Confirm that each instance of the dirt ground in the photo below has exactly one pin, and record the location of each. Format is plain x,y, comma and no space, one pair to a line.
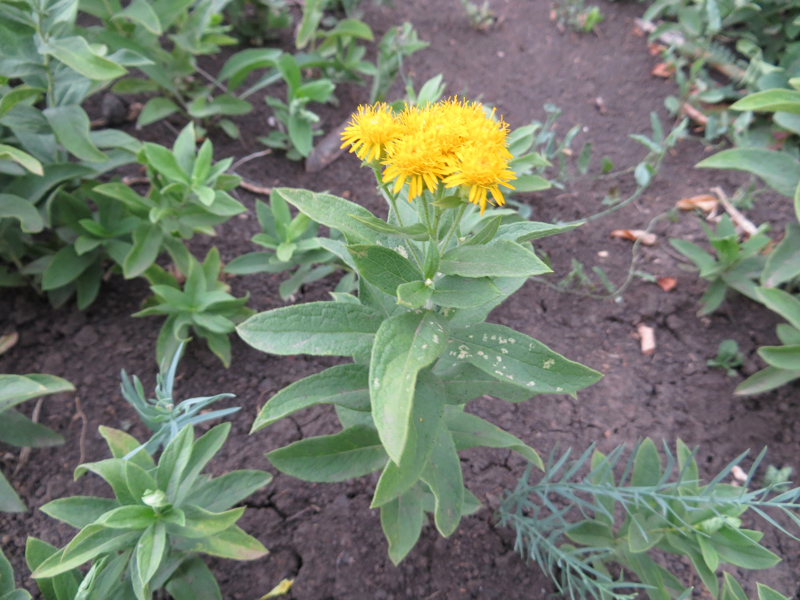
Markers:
325,536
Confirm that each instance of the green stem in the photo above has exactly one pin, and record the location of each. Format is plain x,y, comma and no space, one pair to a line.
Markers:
453,227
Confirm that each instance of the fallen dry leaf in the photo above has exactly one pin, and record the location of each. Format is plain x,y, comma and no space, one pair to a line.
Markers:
694,114
646,238
663,70
647,339
705,202
655,49
7,342
667,283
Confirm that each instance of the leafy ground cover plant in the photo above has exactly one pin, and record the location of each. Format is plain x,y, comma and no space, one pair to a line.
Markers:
204,306
293,244
570,525
728,357
428,277
149,535
737,265
18,430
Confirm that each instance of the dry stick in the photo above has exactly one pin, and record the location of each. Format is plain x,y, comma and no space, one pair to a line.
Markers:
256,189
737,217
26,451
83,427
248,158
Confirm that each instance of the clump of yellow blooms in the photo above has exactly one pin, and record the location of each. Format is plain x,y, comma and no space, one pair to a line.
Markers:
451,142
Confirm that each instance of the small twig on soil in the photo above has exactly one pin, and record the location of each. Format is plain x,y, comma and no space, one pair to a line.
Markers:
742,222
647,338
82,416
297,515
132,180
248,158
256,189
694,114
26,452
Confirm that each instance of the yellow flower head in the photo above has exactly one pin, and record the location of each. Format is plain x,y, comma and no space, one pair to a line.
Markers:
482,168
371,129
414,157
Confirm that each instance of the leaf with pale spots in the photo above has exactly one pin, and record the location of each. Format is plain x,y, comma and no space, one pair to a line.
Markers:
384,268
516,358
501,258
404,345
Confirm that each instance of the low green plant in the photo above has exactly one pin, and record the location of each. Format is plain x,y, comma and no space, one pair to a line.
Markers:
728,357
570,524
149,536
428,277
204,306
257,21
295,123
18,430
734,266
480,17
292,244
162,415
395,46
188,194
576,15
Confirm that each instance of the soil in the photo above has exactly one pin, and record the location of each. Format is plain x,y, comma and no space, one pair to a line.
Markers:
325,536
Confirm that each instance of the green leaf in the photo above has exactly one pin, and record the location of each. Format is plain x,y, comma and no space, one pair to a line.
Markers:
344,385
414,294
778,169
92,541
76,53
384,268
129,517
765,380
783,263
16,95
354,452
149,551
141,13
14,207
417,231
231,543
403,345
65,267
770,101
443,476
502,258
221,493
193,580
526,184
23,159
320,328
71,126
782,303
62,586
401,521
173,462
591,533
15,389
515,358
165,162
767,593
9,500
736,548
79,511
18,430
469,431
782,357
710,555
463,383
731,589
331,211
201,523
646,465
122,444
427,410
641,536
147,239
156,109
464,292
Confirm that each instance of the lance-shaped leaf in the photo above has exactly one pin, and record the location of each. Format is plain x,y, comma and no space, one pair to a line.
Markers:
354,452
92,541
778,169
443,475
526,231
427,411
519,359
343,385
79,511
321,328
193,580
502,258
464,382
417,231
15,389
782,357
14,207
71,126
469,431
331,211
384,268
464,292
402,520
232,543
404,345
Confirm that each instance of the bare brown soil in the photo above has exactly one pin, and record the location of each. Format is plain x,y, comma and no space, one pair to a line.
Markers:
326,536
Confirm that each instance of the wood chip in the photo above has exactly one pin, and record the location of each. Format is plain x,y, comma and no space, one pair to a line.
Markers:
694,114
705,202
667,283
738,473
742,223
647,339
663,70
646,238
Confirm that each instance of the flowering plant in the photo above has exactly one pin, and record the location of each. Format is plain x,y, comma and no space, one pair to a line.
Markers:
428,278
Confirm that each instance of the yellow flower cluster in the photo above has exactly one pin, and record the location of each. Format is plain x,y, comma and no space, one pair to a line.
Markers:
452,142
